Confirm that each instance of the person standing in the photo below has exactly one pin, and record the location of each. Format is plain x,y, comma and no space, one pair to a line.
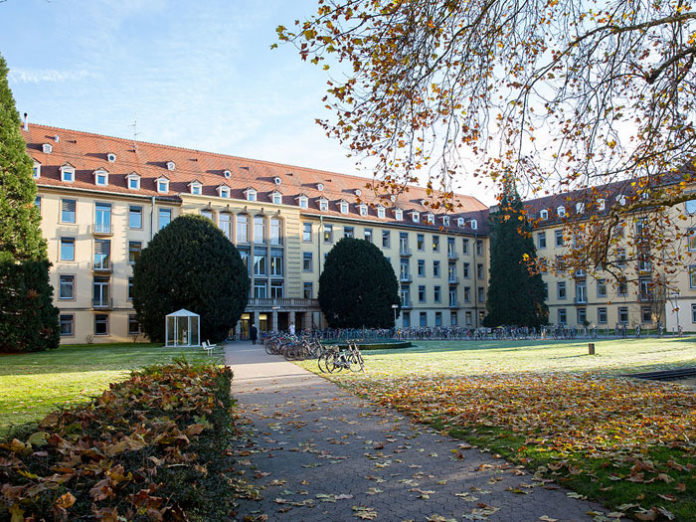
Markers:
291,329
253,333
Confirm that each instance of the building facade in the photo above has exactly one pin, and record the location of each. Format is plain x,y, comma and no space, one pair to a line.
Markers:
102,199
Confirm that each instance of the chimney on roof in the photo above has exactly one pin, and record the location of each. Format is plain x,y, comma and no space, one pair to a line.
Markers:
26,122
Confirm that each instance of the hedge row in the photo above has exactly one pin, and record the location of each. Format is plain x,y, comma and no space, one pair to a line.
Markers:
155,447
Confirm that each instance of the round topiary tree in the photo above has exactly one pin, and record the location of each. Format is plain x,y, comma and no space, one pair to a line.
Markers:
190,264
358,286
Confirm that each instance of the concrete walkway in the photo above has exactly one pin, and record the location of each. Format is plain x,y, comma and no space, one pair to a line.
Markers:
322,454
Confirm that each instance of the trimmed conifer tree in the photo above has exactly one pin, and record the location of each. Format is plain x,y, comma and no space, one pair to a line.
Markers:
516,296
190,264
358,286
28,319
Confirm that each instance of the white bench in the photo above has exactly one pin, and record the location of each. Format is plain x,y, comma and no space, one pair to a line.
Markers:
209,347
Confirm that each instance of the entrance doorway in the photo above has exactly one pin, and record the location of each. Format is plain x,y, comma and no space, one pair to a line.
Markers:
244,323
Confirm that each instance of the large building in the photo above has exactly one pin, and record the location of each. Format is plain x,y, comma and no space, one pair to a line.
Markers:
103,198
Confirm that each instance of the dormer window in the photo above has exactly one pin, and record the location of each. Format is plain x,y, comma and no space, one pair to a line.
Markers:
133,181
162,185
47,148
277,197
323,204
460,222
580,208
101,178
111,157
601,204
357,192
392,198
36,173
430,218
320,187
67,173
398,214
544,214
277,180
302,201
196,188
415,216
171,165
362,208
474,224
223,191
343,207
227,174
250,194
446,221
561,211
380,212
621,199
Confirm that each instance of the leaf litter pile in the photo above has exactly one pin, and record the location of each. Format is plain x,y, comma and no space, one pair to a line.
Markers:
155,447
629,444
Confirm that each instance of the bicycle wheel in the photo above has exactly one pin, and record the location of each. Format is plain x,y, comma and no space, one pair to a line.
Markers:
322,360
334,363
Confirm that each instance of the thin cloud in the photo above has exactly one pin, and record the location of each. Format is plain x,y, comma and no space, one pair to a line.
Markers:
47,75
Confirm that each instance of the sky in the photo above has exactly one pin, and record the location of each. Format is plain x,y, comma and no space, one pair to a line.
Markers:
200,75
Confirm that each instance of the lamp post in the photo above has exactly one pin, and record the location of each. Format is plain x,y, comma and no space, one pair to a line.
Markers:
395,307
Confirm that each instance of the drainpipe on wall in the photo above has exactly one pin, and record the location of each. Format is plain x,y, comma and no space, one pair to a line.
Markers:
320,238
475,289
152,218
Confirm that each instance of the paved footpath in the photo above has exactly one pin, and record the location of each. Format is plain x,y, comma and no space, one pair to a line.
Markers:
322,454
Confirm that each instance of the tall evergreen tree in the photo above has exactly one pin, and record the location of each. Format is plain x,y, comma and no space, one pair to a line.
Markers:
28,319
515,296
358,286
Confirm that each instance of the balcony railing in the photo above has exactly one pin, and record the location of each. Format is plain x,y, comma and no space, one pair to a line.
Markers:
101,229
102,265
294,302
405,278
102,303
406,305
404,251
581,300
452,256
454,304
453,280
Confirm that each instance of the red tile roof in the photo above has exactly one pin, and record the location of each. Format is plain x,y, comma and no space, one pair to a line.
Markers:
88,152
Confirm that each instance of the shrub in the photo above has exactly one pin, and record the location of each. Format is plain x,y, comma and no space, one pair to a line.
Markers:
151,448
190,264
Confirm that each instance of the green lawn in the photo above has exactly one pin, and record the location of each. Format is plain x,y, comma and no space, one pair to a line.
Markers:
32,385
566,415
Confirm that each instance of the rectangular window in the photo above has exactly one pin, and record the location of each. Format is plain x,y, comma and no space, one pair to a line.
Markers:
421,294
102,254
541,240
406,319
306,232
580,292
67,287
468,318
259,262
423,319
602,315
559,237
404,270
102,218
692,276
368,235
452,273
260,289
646,314
101,324
438,318
466,270
307,290
100,292
601,288
275,231
450,247
453,318
386,238
328,233
130,288
67,210
561,289
622,289
405,296
467,294
436,243
307,261
403,243
623,315
691,236
465,246
582,316
277,289
420,242
349,232
479,247
479,271
67,249
244,254
164,217
436,269
259,230
67,324
225,224
242,228
562,316
135,217
421,268
453,296
437,294
133,325
134,249
37,203
276,262
481,295
206,213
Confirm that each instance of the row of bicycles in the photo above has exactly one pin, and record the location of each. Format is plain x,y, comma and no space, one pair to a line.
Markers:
330,358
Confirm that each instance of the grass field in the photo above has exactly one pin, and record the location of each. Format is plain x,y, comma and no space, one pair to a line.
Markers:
566,415
32,385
